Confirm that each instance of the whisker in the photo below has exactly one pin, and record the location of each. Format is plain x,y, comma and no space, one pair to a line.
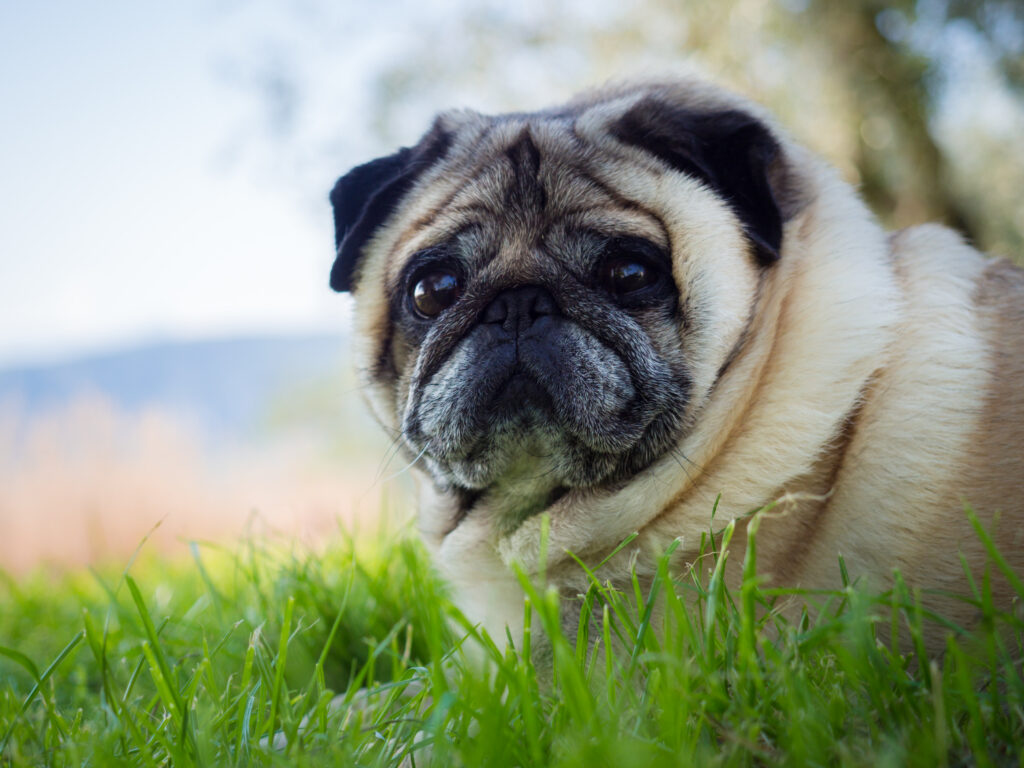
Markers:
406,468
676,454
389,454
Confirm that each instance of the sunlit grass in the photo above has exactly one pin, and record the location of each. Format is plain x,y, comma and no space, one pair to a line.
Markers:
239,657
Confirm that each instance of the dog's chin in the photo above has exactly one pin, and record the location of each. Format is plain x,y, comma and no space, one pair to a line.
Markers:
528,450
521,447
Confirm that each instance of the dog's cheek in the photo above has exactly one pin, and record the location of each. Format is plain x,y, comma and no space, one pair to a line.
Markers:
403,354
667,334
445,412
403,359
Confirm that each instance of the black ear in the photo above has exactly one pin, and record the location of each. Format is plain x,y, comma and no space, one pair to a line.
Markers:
731,151
365,196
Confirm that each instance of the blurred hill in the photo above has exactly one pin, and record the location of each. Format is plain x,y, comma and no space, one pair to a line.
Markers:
226,388
206,439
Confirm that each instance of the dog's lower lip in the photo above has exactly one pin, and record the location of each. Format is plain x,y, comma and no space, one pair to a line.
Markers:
520,391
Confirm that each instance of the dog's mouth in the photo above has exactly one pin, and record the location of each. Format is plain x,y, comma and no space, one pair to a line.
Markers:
522,392
528,388
558,409
519,419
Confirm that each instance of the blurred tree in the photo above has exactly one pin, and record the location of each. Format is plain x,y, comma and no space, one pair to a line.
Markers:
918,102
890,56
900,165
1001,22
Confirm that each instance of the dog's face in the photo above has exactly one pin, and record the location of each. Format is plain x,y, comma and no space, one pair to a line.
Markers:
569,359
548,299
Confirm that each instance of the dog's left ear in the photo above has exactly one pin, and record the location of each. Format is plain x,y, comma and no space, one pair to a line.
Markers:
732,152
367,195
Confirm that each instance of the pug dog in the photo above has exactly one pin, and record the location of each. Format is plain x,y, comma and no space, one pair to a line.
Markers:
607,317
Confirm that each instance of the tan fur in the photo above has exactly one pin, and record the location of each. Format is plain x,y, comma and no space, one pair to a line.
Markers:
877,383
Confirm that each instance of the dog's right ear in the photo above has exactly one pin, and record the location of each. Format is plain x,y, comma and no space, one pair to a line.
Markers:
365,196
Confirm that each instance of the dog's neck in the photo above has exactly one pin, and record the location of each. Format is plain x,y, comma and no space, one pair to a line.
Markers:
524,490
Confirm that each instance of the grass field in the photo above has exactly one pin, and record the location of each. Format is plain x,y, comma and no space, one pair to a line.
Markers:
234,658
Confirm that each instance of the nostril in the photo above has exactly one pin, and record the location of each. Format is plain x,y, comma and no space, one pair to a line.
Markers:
519,307
543,304
496,311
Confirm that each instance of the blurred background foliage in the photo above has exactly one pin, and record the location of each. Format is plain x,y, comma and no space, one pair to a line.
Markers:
920,104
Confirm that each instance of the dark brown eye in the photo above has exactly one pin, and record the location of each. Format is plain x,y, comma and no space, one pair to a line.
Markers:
622,275
435,292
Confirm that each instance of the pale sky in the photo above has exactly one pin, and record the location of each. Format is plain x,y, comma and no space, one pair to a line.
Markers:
123,214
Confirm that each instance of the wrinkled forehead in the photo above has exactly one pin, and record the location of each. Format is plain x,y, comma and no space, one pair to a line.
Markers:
517,186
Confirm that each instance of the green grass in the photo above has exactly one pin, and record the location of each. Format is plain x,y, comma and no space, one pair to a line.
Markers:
211,661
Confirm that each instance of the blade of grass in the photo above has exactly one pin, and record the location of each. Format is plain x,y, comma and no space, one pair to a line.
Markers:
279,663
41,680
161,668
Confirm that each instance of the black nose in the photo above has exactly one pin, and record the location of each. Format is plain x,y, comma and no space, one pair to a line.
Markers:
516,309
